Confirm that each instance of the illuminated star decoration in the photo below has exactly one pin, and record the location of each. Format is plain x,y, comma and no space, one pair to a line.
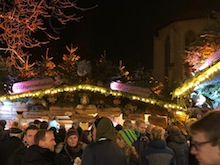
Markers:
52,99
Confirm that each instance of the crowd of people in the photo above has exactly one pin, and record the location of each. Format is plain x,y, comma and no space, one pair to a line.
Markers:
128,144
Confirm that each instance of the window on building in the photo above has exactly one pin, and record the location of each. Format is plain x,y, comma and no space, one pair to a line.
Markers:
190,37
167,56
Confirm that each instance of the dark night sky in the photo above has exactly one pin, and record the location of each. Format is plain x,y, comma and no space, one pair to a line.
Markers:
123,28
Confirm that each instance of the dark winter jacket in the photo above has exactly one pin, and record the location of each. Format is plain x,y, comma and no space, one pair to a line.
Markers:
157,153
141,143
17,156
68,154
36,155
177,142
8,147
104,151
133,160
4,135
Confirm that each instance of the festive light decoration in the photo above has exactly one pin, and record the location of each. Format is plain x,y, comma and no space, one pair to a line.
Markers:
86,87
197,80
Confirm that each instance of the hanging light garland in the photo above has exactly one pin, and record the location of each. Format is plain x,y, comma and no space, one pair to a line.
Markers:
197,80
86,87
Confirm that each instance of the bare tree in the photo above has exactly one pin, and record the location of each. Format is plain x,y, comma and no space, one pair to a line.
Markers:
20,20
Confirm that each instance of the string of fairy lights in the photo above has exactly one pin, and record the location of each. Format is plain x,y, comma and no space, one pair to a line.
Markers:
91,88
197,80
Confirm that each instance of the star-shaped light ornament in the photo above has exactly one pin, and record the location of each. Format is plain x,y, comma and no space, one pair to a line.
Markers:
116,101
52,99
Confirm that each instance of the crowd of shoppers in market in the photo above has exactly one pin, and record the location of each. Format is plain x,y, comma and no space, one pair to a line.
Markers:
133,143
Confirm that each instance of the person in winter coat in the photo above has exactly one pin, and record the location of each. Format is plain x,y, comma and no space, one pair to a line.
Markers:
83,136
4,134
9,146
42,153
143,140
157,152
104,150
178,143
28,140
72,150
125,138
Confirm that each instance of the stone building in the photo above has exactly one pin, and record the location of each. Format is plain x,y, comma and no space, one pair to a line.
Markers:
170,42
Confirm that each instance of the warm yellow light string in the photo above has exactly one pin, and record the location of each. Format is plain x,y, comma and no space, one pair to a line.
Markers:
196,81
91,88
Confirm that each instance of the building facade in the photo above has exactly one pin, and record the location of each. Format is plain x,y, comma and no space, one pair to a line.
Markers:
169,47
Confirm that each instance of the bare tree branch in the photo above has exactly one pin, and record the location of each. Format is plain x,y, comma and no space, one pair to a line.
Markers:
21,19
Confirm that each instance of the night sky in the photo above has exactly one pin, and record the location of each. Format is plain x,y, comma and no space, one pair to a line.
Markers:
122,28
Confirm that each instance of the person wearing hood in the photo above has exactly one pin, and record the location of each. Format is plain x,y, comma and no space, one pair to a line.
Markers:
178,143
104,149
157,152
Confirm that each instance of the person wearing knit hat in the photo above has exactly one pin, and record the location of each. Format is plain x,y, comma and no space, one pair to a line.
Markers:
125,138
72,149
104,150
71,132
129,136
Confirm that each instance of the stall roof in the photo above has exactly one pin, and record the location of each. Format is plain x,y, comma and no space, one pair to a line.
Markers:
203,77
91,88
206,81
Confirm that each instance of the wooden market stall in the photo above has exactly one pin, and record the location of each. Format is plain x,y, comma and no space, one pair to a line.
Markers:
84,102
